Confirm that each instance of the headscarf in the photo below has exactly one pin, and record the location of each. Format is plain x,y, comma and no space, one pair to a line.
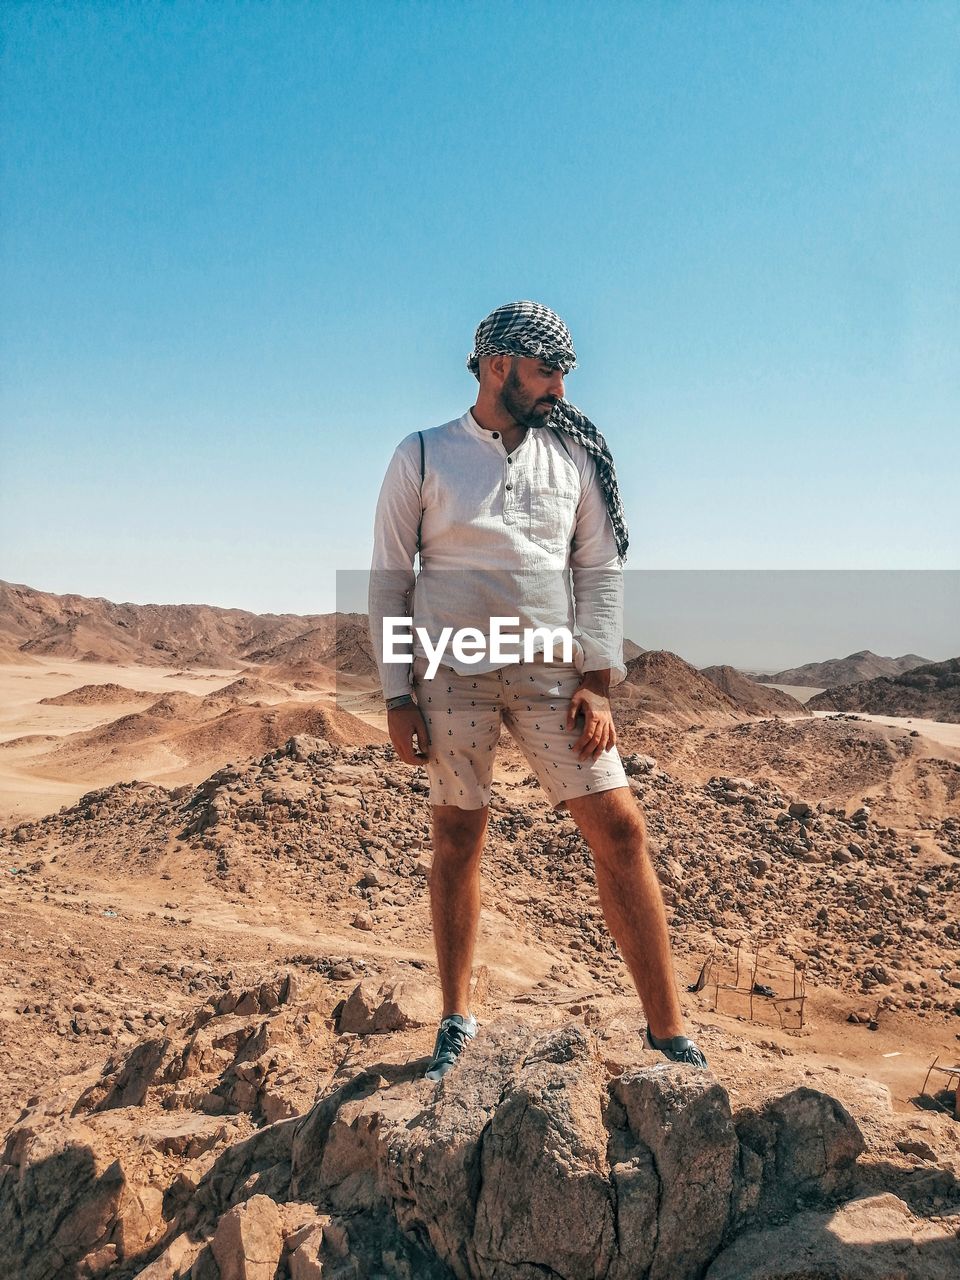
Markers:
531,329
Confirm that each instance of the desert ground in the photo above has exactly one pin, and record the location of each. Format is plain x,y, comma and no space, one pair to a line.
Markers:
169,837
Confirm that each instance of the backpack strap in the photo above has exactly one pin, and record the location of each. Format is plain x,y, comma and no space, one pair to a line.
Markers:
420,525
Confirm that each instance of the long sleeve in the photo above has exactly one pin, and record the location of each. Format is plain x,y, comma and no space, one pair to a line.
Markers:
394,548
597,581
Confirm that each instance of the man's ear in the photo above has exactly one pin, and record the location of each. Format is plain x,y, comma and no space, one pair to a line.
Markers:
499,367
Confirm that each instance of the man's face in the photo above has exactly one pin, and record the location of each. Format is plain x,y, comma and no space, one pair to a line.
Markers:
530,391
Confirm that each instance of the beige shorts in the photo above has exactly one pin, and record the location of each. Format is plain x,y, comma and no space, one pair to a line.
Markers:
464,714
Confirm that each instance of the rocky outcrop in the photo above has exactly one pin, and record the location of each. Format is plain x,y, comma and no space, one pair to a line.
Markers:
528,1160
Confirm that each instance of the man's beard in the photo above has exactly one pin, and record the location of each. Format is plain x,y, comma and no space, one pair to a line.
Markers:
522,409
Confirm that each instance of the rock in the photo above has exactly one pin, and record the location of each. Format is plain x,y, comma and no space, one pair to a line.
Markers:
248,1242
635,765
526,1161
681,1122
127,1085
875,1238
98,1263
916,1147
305,1261
544,1196
807,1144
800,810
363,920
175,1261
303,746
185,1135
671,871
140,1220
393,1005
59,1199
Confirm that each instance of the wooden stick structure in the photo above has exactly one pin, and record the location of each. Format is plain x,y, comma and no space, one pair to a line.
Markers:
785,1005
953,1082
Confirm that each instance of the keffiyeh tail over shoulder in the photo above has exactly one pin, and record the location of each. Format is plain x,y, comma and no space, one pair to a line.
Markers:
568,419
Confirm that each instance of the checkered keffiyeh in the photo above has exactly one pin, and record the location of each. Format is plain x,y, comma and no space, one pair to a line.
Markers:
523,329
531,329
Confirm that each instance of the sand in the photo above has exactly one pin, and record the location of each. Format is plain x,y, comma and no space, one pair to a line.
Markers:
27,791
935,730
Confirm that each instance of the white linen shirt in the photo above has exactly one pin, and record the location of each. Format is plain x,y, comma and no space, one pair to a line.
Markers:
500,536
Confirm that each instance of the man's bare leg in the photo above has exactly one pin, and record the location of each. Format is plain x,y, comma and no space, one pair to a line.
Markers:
612,825
455,898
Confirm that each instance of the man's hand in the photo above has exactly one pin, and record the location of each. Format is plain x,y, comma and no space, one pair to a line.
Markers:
406,724
590,702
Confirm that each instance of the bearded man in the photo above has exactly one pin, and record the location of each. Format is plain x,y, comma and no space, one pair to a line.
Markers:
515,512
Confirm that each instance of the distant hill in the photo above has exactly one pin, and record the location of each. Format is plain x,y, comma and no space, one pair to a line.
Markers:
88,695
863,665
930,692
662,689
37,624
180,733
754,698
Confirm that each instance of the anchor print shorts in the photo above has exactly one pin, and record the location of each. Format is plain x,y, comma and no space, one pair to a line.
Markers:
464,714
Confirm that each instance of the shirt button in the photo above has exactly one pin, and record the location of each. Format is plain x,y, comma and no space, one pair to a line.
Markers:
496,435
509,486
510,461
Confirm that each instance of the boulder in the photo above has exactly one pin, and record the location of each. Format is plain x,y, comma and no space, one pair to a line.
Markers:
680,1124
799,1146
392,1005
875,1238
248,1243
545,1195
175,1261
59,1200
526,1160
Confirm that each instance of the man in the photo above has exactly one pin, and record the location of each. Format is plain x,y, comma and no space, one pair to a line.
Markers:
510,506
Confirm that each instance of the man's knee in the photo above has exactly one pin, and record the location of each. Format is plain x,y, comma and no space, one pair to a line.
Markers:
609,818
613,826
458,833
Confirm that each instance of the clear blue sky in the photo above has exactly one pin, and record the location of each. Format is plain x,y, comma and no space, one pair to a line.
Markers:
244,248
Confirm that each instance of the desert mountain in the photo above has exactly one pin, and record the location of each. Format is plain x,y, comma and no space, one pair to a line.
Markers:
930,692
661,688
756,699
863,665
39,623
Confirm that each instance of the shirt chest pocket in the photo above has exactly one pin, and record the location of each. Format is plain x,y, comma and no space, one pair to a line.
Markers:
551,512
